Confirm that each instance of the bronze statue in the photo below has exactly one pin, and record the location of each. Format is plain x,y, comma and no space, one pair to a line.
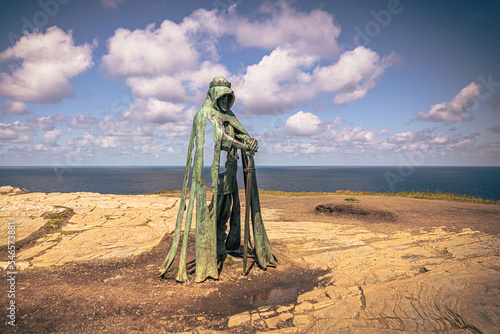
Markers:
211,242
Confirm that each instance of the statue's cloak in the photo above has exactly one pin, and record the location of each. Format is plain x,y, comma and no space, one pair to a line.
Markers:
206,215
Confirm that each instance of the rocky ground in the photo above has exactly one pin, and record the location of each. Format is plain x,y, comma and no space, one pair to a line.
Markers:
88,263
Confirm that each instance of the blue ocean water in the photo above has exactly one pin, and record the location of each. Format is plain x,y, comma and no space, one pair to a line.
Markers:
476,181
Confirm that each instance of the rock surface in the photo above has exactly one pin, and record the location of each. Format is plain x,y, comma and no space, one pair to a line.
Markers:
412,277
103,225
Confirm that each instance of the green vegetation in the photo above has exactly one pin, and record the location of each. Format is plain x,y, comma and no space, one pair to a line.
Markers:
351,199
58,219
167,192
55,224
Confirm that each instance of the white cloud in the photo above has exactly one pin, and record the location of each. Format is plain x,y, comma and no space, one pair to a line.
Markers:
15,108
154,111
175,62
80,121
454,110
316,137
351,135
355,73
303,124
114,126
276,82
152,115
306,124
175,130
283,78
425,135
285,148
51,137
180,87
48,123
47,64
162,87
440,140
7,133
15,132
308,33
86,140
150,51
167,62
109,142
462,145
403,137
111,3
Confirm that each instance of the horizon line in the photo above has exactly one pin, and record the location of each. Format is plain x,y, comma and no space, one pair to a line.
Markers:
266,165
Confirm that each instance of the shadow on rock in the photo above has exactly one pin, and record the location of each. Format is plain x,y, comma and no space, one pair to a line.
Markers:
354,210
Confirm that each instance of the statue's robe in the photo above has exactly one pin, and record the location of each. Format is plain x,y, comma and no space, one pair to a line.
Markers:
206,215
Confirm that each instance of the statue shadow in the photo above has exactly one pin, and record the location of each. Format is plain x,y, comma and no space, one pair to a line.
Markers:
191,267
236,257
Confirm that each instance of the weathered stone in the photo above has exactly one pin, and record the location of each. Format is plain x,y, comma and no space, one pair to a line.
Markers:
10,190
324,303
103,226
286,316
285,308
303,307
267,314
314,295
301,320
239,319
334,293
273,322
254,316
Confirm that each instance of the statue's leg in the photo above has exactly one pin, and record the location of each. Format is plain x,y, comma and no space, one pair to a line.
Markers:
223,213
234,238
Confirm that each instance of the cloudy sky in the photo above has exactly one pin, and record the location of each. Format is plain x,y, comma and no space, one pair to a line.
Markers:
117,82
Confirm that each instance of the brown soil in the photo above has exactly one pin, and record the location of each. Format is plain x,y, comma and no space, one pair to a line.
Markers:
126,295
386,214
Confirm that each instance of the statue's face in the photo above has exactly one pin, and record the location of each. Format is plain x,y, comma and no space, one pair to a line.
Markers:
223,103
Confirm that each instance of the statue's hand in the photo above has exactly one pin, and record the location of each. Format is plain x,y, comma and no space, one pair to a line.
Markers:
252,145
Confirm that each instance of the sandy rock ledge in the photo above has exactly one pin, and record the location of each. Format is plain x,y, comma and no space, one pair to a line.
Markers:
432,279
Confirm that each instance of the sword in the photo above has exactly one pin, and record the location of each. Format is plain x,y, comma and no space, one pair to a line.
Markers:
248,194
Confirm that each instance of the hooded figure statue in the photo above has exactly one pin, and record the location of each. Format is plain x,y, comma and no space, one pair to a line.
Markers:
211,244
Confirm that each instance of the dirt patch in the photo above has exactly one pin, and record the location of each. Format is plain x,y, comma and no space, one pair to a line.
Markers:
127,293
408,213
351,209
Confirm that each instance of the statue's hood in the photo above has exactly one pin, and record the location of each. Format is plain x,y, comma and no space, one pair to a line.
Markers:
216,92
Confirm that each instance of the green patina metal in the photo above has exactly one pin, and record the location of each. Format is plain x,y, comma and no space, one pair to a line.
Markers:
211,242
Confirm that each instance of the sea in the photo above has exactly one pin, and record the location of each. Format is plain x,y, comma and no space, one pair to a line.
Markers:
481,182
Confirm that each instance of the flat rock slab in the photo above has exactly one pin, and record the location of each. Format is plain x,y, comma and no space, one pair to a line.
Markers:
103,226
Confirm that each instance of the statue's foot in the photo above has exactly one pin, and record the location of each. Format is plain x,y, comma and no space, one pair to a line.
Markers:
232,243
221,251
221,256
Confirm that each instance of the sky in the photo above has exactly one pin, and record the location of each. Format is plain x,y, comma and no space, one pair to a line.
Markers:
338,83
